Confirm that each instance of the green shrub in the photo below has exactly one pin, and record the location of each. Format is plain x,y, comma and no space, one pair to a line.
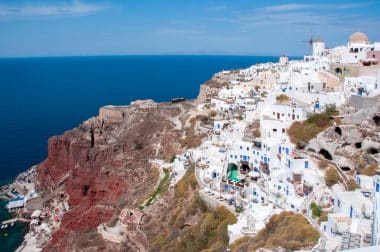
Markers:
315,209
162,187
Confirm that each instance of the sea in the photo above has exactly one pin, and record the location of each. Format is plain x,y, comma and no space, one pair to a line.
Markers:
41,97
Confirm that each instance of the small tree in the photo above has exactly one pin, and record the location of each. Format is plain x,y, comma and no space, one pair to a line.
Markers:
315,209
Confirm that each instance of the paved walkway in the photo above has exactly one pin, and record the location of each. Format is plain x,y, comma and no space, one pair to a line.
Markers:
214,200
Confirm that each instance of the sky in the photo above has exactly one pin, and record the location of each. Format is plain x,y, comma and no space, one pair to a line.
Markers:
31,28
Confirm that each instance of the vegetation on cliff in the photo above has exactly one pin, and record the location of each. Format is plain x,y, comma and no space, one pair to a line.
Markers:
300,133
192,225
161,188
332,176
286,230
370,170
191,139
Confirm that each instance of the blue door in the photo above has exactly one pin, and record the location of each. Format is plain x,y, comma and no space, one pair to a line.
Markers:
306,164
350,211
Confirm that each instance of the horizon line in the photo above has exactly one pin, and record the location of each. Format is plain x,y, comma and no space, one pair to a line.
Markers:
158,54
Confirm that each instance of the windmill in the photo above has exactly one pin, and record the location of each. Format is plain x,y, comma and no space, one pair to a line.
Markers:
310,42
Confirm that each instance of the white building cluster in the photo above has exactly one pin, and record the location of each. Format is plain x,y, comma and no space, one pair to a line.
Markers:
249,161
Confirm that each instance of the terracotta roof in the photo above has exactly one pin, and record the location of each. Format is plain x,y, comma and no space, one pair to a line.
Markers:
358,37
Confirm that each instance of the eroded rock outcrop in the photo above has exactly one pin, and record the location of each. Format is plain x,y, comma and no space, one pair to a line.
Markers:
104,166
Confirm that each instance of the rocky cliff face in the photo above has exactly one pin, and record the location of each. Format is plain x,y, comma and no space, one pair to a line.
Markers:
104,166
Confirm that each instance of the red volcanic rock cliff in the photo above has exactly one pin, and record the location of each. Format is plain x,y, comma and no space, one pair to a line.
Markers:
103,166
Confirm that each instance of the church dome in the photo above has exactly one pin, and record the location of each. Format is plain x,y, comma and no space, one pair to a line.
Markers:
358,37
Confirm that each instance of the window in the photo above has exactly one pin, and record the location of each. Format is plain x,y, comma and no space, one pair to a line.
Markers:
283,130
298,117
241,147
306,164
231,156
338,203
247,148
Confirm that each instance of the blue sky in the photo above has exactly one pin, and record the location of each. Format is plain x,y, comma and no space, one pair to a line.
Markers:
97,27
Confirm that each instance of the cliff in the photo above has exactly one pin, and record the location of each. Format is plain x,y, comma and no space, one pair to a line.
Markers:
103,166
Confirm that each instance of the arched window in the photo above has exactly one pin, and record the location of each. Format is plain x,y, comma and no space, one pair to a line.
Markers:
338,70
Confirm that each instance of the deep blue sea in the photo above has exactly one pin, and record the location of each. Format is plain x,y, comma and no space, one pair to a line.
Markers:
42,97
